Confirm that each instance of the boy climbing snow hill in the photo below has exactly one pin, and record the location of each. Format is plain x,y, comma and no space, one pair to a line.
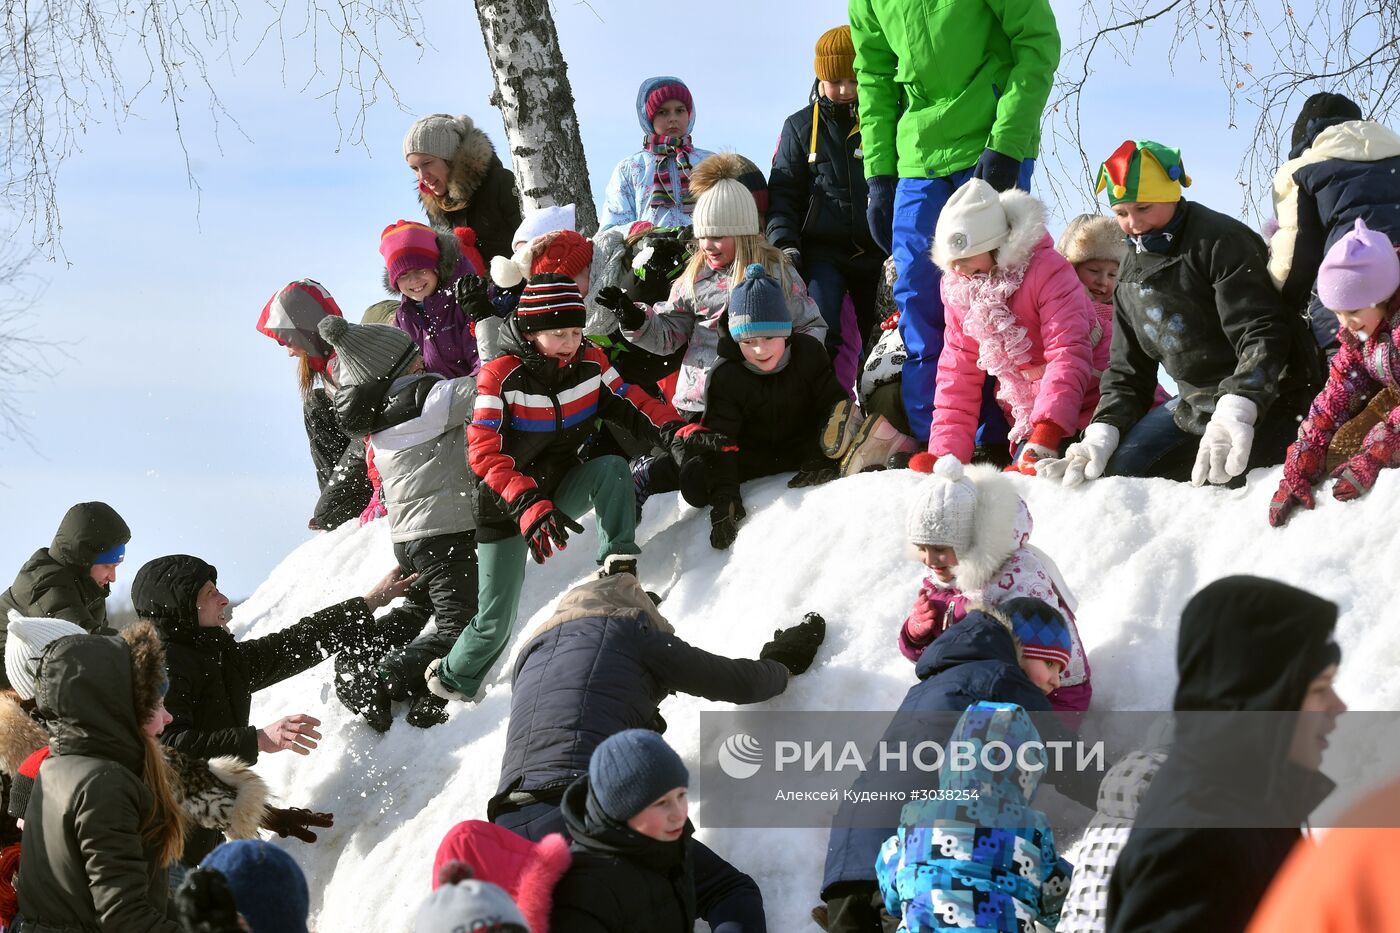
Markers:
535,406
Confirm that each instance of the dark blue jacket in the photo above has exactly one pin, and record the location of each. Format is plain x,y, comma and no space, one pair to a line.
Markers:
973,660
600,665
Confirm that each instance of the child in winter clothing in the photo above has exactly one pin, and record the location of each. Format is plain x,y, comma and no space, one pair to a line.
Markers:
727,228
817,193
654,183
1194,297
1360,282
428,270
461,181
459,902
558,252
268,886
987,863
416,424
525,870
535,406
1015,310
972,532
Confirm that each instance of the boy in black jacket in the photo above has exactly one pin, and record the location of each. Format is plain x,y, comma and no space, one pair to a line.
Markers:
817,194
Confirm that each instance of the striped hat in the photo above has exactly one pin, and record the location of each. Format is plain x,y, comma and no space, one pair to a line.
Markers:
757,307
406,246
1043,632
549,302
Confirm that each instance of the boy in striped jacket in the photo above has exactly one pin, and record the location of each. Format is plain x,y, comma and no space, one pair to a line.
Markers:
536,405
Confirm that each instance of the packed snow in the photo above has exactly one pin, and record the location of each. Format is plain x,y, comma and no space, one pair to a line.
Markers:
1133,551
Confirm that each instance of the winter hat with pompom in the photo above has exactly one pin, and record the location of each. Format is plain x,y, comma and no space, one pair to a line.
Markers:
366,352
1041,628
559,252
632,769
972,222
1360,270
725,210
461,903
944,507
757,307
437,135
268,885
405,246
1092,236
25,642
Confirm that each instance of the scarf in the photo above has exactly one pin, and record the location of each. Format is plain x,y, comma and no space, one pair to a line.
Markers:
676,149
1160,241
1004,347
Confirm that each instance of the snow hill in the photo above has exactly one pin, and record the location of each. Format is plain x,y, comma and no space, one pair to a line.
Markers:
1132,550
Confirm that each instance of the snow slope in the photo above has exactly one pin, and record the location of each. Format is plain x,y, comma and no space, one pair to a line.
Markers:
1132,550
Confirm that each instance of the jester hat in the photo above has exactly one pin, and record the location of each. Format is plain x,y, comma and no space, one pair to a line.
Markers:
1143,172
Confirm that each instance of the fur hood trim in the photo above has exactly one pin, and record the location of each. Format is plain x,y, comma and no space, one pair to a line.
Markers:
1092,236
1024,214
449,256
20,736
534,893
148,674
469,168
999,526
250,795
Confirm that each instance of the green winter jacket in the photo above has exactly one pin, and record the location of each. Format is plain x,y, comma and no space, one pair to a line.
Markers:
942,80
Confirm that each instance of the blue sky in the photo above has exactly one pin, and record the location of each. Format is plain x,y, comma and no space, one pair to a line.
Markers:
169,405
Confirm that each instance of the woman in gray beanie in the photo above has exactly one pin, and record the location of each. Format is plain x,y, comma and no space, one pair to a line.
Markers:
461,181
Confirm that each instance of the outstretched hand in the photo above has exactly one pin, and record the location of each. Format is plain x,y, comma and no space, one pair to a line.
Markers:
297,732
389,588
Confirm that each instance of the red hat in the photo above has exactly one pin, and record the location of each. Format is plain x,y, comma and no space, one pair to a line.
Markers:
406,246
562,252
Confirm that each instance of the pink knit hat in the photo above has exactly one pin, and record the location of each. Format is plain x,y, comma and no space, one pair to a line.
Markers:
405,246
1361,270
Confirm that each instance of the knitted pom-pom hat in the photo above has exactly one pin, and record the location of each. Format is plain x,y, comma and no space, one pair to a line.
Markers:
405,246
560,252
944,507
757,307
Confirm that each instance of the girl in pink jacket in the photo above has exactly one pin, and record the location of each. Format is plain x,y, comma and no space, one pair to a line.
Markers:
973,532
1015,309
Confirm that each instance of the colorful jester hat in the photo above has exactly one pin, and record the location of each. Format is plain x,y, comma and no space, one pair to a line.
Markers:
1143,172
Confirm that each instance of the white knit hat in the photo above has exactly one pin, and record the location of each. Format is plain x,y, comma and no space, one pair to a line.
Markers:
944,507
726,209
25,641
972,222
544,220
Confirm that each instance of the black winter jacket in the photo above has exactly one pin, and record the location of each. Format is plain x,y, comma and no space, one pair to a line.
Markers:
1254,646
56,583
84,865
1208,312
776,418
818,206
213,677
601,664
481,195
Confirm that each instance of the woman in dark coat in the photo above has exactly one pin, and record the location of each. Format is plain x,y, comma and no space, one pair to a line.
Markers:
461,181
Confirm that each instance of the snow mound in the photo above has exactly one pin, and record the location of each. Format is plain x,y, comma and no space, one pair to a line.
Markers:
1133,551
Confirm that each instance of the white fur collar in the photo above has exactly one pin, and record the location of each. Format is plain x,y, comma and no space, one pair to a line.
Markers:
997,529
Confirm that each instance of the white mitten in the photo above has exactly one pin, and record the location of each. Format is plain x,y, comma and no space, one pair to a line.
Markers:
1224,450
1084,459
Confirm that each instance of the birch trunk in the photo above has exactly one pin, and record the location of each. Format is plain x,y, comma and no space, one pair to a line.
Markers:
537,104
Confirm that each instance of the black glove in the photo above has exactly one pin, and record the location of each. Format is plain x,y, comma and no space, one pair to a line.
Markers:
296,822
550,532
616,300
814,472
204,903
724,523
1000,171
684,438
663,262
794,648
472,299
879,210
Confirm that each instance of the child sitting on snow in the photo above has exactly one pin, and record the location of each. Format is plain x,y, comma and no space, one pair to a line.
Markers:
985,863
1014,309
972,532
535,406
1359,281
437,285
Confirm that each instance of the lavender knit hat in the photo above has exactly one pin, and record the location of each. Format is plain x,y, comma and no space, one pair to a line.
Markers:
1361,270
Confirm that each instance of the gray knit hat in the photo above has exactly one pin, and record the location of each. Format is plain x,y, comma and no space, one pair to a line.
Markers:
461,903
633,769
727,209
757,307
437,134
25,642
366,352
944,508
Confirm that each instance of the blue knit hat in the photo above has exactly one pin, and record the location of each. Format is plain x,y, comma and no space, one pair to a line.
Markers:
268,886
757,307
113,555
1043,632
631,770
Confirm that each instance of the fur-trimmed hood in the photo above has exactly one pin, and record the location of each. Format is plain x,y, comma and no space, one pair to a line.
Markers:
470,166
1000,525
20,736
1026,217
448,266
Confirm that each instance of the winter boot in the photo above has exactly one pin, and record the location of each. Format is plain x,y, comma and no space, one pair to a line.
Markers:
618,563
841,428
876,441
427,711
442,690
365,694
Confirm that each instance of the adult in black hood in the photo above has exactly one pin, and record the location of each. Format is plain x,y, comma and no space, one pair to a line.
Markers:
213,677
1231,796
70,579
